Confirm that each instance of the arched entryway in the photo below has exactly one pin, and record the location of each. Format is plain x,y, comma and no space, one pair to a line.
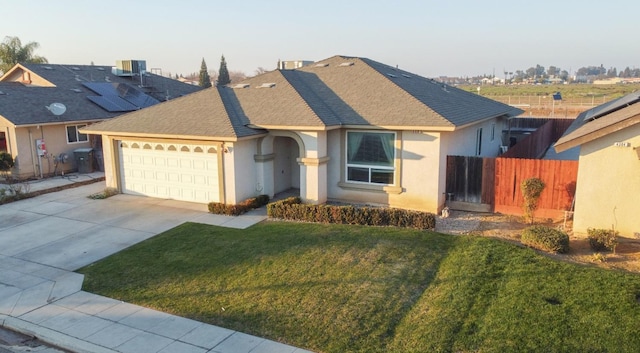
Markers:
286,170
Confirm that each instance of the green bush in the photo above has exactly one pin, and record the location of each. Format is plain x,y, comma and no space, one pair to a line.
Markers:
602,239
238,209
546,239
531,190
293,209
6,161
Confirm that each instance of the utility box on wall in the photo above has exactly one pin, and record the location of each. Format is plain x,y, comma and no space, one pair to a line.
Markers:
84,159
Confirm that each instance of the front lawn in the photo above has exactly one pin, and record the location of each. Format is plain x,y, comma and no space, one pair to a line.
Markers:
337,288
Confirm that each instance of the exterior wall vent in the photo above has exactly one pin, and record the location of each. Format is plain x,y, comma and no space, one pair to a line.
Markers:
348,63
267,85
242,85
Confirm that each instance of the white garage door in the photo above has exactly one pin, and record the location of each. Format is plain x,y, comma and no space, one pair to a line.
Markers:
187,172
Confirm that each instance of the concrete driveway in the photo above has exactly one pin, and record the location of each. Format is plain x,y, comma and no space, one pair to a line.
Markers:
43,239
67,230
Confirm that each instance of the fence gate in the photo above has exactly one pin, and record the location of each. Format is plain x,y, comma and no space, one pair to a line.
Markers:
470,181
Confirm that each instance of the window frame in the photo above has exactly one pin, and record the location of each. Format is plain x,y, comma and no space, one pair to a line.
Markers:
479,141
77,128
370,167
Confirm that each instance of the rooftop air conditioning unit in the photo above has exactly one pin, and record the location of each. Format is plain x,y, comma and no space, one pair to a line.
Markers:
129,67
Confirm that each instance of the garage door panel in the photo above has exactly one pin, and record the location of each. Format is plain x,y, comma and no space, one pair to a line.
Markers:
170,171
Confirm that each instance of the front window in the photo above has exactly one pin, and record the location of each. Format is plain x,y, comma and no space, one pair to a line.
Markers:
74,136
370,157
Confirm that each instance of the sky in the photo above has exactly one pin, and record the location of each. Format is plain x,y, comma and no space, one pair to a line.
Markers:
429,38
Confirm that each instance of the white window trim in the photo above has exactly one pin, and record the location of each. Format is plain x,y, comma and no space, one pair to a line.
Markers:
77,127
370,167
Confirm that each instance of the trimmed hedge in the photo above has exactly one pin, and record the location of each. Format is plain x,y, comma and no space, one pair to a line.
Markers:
546,239
602,239
292,208
238,209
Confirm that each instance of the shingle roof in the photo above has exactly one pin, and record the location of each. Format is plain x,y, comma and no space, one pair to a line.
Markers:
322,95
387,96
601,120
210,114
25,105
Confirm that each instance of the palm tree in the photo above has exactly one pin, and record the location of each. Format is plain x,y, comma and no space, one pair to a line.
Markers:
12,52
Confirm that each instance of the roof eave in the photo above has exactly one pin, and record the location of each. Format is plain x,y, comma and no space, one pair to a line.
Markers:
117,135
577,137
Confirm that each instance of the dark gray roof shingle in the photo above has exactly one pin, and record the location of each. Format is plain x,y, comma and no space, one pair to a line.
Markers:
25,105
317,96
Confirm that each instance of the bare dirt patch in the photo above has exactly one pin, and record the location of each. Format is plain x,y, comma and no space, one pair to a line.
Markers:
626,257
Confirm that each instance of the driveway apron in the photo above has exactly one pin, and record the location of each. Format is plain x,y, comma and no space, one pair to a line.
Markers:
43,239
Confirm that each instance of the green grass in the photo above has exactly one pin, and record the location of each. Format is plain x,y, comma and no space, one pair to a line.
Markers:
334,288
567,91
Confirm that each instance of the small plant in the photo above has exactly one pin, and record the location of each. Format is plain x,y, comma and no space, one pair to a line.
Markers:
531,190
546,239
603,239
599,257
238,209
108,192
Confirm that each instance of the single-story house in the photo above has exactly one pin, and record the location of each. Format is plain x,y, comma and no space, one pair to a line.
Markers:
43,106
344,129
609,166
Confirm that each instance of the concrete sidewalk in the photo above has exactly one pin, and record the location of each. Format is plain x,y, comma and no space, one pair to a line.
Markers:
43,239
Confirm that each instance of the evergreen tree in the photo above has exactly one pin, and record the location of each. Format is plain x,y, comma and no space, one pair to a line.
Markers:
205,80
223,73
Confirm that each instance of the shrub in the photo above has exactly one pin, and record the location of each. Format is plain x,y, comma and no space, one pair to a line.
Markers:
546,239
108,192
6,161
238,209
531,191
293,209
602,239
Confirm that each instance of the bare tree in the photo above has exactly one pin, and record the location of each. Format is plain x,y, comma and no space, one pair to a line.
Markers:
260,70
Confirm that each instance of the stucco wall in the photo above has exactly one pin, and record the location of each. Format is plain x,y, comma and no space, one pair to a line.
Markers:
608,184
418,170
56,143
422,165
240,172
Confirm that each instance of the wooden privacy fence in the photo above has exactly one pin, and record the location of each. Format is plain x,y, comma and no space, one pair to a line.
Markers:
536,144
559,178
493,184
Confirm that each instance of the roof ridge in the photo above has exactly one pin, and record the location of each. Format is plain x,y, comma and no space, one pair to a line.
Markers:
304,101
313,92
404,91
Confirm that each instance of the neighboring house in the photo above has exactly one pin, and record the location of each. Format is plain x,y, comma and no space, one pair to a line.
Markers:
84,95
609,166
345,129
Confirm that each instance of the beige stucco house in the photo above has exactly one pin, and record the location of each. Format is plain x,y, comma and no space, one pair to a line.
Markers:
37,134
609,170
345,129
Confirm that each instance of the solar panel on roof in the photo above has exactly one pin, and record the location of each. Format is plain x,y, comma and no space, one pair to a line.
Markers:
135,97
612,106
101,88
119,97
113,105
